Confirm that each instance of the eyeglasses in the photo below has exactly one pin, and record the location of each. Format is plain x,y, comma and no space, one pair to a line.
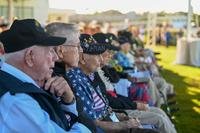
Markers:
78,46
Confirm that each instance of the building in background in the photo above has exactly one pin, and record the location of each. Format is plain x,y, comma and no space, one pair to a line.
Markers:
177,21
59,15
22,9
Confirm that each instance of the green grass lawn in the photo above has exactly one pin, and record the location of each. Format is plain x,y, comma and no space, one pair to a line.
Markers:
186,80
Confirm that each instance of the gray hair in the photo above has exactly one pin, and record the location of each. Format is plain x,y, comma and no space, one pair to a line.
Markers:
70,31
13,55
1,45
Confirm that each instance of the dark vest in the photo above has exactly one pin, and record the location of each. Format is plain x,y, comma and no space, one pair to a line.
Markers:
47,102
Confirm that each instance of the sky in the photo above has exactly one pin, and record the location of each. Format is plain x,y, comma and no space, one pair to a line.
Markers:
124,6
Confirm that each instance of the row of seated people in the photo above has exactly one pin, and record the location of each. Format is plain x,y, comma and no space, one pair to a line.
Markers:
136,70
40,102
88,78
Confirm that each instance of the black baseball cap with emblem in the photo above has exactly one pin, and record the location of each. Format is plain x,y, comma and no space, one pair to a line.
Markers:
112,36
90,46
106,40
26,33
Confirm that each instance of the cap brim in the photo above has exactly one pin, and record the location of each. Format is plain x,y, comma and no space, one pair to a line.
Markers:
53,41
112,47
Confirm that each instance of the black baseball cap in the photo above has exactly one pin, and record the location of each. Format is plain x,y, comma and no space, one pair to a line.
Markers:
123,40
26,33
90,46
106,40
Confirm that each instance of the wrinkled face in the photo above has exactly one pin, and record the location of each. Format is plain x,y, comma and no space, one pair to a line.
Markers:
126,47
91,62
106,57
69,53
41,60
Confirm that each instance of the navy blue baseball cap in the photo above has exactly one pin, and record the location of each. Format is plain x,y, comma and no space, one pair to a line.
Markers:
90,46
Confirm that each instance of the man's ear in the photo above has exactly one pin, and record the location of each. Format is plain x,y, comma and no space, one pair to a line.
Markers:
81,58
59,51
29,57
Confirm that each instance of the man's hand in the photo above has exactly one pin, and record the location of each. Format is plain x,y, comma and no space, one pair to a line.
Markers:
59,87
142,106
122,116
132,123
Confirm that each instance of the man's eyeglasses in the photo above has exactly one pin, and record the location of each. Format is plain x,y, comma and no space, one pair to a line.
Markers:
78,46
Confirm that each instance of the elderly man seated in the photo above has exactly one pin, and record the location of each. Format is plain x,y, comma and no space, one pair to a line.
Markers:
31,100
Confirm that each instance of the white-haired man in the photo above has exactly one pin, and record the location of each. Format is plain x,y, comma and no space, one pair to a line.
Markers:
33,101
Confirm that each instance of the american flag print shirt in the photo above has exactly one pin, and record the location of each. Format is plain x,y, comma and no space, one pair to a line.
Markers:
93,104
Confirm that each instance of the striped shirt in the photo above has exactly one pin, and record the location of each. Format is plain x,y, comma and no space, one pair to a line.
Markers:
98,102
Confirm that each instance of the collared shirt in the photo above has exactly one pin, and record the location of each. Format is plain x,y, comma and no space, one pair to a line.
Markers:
20,113
83,89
